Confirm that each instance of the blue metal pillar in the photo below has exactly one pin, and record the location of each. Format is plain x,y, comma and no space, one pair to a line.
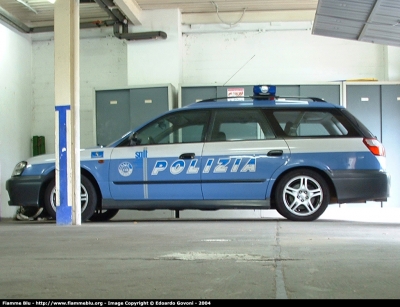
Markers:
64,210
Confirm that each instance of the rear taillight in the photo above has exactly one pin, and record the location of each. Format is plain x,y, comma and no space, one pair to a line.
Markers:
375,146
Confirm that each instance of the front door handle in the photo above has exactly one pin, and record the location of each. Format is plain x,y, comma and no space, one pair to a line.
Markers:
275,153
189,155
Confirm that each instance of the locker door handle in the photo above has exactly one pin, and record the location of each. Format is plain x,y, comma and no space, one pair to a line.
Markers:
189,155
275,153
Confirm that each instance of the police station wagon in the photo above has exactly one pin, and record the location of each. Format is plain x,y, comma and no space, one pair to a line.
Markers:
294,155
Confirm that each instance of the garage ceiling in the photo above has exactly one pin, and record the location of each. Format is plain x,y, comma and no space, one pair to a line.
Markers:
374,21
37,15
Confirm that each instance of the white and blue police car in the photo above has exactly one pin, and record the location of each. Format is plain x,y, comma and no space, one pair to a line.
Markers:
294,155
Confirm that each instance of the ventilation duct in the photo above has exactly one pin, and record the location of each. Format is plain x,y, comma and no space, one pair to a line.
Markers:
137,36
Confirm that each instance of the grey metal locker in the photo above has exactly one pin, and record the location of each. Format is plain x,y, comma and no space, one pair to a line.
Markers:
222,91
288,90
120,110
112,115
364,101
390,138
193,94
147,103
330,92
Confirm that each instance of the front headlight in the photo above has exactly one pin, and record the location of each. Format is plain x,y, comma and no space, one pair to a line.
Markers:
19,168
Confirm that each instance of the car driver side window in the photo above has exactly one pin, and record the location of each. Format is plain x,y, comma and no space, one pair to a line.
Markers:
178,127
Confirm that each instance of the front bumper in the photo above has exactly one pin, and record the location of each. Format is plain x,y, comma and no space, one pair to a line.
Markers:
25,190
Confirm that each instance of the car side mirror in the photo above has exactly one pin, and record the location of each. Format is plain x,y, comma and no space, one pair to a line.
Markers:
134,140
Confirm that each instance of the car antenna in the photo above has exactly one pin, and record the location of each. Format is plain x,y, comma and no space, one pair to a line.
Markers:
239,69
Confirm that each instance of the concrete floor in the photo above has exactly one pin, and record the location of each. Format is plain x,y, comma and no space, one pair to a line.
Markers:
339,256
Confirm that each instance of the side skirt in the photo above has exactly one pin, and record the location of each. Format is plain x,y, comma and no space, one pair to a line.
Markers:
185,204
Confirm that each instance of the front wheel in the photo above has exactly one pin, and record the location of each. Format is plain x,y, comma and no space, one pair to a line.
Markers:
302,195
88,199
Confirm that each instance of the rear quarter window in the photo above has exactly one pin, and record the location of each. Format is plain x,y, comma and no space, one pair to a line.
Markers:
314,123
356,122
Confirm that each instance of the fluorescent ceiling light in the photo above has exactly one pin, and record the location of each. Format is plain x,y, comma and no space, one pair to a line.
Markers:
52,1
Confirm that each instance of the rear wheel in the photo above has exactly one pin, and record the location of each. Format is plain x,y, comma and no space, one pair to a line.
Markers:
88,199
302,195
103,215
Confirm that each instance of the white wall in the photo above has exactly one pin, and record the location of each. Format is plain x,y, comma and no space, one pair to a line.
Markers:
277,57
27,94
393,63
156,61
15,106
103,64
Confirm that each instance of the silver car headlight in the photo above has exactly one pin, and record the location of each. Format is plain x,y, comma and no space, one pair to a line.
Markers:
19,168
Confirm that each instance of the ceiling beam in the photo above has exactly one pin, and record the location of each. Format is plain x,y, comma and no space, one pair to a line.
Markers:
131,10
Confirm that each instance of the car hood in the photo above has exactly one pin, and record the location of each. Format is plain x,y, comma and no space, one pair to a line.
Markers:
47,158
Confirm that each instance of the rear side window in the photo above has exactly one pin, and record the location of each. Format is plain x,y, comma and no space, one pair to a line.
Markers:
240,125
314,123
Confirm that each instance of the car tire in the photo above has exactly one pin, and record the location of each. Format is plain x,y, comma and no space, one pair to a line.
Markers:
88,199
302,195
103,215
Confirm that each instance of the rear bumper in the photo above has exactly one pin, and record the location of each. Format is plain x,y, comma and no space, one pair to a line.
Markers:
24,190
361,186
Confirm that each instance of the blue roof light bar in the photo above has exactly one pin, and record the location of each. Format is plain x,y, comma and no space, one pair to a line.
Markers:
264,90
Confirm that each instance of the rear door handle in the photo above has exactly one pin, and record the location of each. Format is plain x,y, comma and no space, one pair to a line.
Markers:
189,155
275,153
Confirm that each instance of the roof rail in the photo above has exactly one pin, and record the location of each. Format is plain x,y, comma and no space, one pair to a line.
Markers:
265,97
223,98
317,99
